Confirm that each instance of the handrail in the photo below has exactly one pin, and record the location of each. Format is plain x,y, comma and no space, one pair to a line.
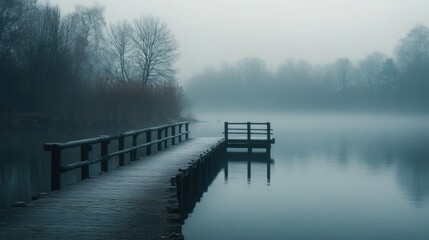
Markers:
73,166
85,145
253,133
247,130
62,146
237,123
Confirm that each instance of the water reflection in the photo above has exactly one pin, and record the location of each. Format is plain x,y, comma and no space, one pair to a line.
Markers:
412,172
249,159
379,149
335,177
378,142
22,169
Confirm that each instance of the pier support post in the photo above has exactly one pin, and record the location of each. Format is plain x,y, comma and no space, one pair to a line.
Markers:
180,132
104,151
179,186
249,148
268,138
84,155
56,169
120,148
173,133
165,135
149,139
159,137
133,154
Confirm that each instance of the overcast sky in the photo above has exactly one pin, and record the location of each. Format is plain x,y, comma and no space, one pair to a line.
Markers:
211,32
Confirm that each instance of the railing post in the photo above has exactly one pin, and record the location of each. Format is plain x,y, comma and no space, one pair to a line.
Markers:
268,137
226,131
268,131
84,155
249,147
55,168
180,131
121,143
187,130
159,137
148,140
165,135
133,154
173,133
104,152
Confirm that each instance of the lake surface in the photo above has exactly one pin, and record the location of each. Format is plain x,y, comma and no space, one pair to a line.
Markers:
333,176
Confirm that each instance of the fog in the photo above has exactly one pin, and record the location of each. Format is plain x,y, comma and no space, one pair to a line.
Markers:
211,32
342,84
334,176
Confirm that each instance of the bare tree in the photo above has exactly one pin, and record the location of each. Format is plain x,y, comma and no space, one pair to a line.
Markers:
87,26
297,72
118,49
13,15
251,69
389,73
344,73
41,49
370,69
414,48
156,49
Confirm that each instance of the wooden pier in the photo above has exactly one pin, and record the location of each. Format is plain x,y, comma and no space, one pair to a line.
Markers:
146,197
249,135
139,200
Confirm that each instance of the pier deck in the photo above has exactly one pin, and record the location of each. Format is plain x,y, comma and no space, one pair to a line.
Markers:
127,203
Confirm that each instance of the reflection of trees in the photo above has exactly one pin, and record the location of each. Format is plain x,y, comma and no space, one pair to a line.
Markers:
20,169
379,150
378,147
413,171
343,153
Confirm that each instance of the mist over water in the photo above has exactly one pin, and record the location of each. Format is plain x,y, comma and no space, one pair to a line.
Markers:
344,84
334,176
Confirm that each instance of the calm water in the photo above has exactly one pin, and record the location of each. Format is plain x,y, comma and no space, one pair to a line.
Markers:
334,176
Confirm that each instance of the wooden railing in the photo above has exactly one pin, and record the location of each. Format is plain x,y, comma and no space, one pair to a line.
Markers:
162,137
248,135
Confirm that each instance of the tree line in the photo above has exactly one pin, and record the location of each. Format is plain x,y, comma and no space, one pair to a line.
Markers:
377,82
78,70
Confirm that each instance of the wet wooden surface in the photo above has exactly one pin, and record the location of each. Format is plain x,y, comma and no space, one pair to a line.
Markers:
127,203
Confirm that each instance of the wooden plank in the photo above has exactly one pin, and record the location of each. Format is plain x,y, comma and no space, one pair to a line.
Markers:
127,203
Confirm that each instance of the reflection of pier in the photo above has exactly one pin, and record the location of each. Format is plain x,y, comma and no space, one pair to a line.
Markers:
249,158
249,136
